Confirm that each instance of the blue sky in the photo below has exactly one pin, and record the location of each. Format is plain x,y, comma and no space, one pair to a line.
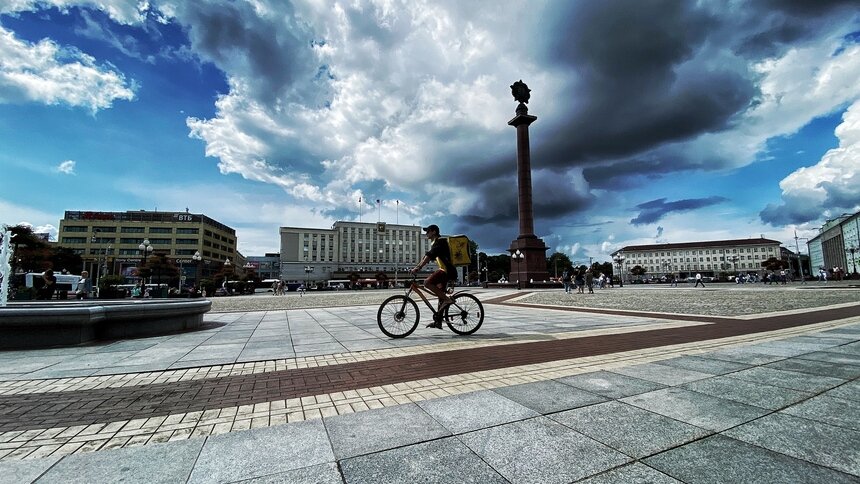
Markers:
710,120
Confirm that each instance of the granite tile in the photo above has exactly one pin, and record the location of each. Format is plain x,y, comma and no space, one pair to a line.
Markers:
548,396
609,384
475,410
696,408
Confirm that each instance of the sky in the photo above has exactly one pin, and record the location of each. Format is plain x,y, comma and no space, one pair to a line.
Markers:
657,122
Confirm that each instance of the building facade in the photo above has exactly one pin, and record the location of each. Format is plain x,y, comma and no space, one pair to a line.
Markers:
837,244
109,242
311,254
708,258
266,266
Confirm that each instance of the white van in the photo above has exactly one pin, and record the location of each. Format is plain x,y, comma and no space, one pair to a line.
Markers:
65,282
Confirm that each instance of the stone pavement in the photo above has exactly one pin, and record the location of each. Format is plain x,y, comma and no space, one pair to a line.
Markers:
538,395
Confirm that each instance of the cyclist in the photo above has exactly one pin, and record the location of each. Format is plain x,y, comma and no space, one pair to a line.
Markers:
436,282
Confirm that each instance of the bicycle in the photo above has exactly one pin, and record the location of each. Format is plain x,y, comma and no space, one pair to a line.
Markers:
398,315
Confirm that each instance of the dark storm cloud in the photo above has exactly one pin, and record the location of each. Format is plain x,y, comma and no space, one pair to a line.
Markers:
654,210
786,214
270,58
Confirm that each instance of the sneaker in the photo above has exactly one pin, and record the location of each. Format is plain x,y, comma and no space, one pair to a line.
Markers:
435,324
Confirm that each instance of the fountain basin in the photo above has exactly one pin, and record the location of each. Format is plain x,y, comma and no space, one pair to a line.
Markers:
41,324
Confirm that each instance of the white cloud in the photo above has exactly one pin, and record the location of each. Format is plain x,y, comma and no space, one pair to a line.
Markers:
14,214
830,186
47,73
67,167
126,12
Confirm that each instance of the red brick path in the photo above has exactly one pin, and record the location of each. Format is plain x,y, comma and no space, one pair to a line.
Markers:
60,409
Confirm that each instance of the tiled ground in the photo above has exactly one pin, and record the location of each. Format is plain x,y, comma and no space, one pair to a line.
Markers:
774,406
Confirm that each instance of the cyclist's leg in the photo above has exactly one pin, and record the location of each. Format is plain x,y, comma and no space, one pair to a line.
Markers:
435,283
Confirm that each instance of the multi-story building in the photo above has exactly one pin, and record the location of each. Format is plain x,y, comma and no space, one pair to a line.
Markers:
366,248
707,257
837,244
266,266
109,242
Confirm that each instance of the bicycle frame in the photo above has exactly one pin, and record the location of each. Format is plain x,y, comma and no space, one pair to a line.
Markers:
414,287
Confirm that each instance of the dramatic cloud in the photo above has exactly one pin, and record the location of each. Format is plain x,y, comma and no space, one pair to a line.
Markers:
67,167
121,11
826,188
654,210
47,73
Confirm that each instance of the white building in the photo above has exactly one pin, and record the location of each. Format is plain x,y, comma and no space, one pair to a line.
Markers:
707,257
837,244
366,248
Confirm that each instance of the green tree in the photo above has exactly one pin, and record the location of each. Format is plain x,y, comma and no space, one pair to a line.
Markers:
557,263
638,270
774,264
65,258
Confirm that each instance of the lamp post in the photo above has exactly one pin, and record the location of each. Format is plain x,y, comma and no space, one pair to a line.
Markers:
98,263
196,258
518,258
619,259
228,267
145,249
666,264
308,270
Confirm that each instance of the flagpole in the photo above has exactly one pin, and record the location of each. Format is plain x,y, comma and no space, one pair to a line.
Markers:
397,216
359,209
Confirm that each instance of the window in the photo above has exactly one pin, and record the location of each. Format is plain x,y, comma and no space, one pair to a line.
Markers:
129,252
185,251
206,253
104,240
207,243
105,229
75,228
74,240
159,241
186,241
207,233
160,230
131,230
187,231
124,240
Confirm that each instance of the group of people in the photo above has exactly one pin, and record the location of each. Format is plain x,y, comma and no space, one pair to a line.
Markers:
578,281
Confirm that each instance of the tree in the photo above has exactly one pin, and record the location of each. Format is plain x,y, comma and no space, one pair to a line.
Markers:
381,279
65,258
774,264
638,270
30,253
353,278
160,266
557,263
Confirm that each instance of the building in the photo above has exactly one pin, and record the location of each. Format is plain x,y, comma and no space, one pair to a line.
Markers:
266,266
708,258
109,242
310,254
836,245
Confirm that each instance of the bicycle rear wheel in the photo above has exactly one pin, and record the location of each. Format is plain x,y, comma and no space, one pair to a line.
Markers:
465,315
397,317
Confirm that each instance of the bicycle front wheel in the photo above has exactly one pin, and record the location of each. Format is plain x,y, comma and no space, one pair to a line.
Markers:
465,315
397,317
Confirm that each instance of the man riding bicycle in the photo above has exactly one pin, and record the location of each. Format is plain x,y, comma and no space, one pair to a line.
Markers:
436,282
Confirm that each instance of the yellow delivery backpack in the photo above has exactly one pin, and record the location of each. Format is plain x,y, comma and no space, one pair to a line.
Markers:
459,245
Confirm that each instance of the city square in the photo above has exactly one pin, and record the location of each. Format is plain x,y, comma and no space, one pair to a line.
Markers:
553,388
254,241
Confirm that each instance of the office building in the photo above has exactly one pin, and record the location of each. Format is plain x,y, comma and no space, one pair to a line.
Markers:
109,242
366,248
708,258
836,245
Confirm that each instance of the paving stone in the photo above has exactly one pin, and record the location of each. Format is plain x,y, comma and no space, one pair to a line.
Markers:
25,471
475,410
635,473
381,429
848,391
541,451
757,394
704,365
664,374
609,384
835,447
834,411
695,408
155,463
719,459
629,429
744,355
548,396
318,474
440,461
788,379
260,452
815,367
833,357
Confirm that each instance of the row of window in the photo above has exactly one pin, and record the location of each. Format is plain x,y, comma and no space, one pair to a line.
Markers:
132,230
701,259
128,240
694,267
676,253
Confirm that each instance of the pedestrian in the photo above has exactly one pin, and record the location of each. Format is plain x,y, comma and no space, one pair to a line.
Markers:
566,279
699,280
46,292
85,286
674,280
589,281
579,281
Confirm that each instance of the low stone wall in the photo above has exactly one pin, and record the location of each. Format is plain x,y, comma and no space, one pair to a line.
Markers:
41,324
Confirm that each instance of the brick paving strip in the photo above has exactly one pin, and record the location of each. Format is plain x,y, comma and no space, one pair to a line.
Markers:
39,411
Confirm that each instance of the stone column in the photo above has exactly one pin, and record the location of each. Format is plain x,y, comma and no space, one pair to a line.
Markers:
533,264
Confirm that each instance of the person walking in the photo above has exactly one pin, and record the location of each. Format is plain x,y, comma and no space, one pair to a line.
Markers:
589,281
579,280
565,279
699,280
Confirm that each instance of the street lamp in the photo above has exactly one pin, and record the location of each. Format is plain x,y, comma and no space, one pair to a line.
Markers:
619,259
666,264
518,257
196,258
145,249
308,270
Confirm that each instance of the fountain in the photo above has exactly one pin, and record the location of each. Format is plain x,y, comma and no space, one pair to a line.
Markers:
39,324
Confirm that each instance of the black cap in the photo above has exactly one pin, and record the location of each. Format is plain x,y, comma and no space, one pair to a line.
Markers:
432,227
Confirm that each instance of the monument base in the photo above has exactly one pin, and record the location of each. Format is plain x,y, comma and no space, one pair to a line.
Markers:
532,267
